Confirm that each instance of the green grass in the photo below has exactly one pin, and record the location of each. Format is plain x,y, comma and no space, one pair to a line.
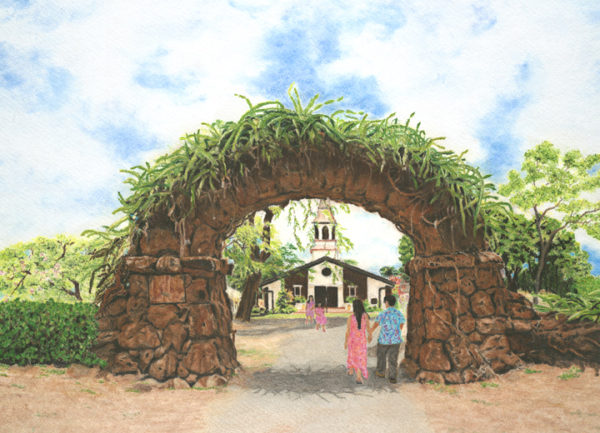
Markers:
51,371
530,371
489,385
571,373
134,390
16,385
485,403
440,387
4,367
89,391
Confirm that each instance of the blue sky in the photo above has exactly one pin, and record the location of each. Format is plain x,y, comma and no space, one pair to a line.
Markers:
88,88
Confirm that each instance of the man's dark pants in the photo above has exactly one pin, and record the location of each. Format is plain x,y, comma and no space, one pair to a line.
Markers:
388,352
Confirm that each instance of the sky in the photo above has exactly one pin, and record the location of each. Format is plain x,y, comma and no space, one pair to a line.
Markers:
88,88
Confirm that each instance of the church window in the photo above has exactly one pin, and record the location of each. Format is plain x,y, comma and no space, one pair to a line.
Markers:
316,232
352,291
297,290
325,233
333,233
326,272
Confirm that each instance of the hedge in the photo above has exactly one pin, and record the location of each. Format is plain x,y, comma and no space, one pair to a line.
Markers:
48,333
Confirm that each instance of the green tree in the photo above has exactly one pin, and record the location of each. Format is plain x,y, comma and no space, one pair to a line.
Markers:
250,248
59,268
406,251
554,185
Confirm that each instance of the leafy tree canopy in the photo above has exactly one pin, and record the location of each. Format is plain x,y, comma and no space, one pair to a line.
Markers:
60,268
554,185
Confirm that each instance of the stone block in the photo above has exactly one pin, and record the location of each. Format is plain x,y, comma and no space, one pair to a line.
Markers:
212,381
436,324
458,351
410,366
137,307
116,307
166,289
429,376
201,320
466,323
482,305
123,364
161,315
175,335
168,264
197,292
433,358
453,377
159,240
145,357
140,264
491,325
138,286
201,358
164,367
138,336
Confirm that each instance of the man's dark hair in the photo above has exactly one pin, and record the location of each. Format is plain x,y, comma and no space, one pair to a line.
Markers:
390,299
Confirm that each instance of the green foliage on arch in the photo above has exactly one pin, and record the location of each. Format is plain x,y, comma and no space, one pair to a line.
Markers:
222,153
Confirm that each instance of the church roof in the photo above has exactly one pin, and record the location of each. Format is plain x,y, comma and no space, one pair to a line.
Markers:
330,260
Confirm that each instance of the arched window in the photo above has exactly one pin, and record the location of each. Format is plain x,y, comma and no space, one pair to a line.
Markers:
333,232
325,233
316,232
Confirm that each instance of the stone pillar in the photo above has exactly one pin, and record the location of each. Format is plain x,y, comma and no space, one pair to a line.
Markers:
457,319
169,317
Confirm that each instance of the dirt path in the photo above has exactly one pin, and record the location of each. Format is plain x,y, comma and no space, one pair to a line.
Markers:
294,381
307,390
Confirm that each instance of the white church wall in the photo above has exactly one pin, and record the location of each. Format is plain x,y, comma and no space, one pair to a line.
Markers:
373,287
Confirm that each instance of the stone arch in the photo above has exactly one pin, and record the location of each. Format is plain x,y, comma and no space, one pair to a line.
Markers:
167,313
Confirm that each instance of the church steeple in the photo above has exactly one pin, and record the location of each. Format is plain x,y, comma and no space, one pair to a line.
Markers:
325,243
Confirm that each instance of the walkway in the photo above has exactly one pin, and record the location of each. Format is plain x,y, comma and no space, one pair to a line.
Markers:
307,389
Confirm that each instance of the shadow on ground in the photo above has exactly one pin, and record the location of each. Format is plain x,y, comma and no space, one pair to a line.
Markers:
334,382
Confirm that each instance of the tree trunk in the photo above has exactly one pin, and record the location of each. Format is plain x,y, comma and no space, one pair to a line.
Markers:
248,296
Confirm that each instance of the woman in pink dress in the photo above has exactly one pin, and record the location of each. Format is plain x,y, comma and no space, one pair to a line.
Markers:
321,319
356,341
310,311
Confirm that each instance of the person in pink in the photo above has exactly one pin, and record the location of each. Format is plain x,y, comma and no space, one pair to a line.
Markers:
321,319
310,311
356,341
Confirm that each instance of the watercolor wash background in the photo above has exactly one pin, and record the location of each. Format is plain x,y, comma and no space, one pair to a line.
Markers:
90,87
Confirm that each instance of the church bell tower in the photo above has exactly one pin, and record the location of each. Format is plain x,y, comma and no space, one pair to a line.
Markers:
325,243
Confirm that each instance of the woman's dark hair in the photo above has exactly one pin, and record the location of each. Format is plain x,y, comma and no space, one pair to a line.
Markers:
311,296
359,310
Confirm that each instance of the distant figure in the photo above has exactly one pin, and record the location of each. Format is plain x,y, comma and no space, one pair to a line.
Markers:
356,341
321,319
390,337
310,311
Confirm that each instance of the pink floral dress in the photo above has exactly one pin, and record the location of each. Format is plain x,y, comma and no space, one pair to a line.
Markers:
357,346
310,309
321,319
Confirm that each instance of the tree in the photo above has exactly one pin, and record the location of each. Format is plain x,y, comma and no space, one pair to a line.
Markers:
514,237
554,185
44,268
406,251
388,271
250,248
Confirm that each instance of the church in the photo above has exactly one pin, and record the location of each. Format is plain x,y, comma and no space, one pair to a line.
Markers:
328,279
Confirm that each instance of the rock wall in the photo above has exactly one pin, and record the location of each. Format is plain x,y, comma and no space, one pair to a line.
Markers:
169,317
457,319
549,338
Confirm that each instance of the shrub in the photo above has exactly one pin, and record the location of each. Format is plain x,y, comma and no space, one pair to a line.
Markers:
583,305
48,332
300,300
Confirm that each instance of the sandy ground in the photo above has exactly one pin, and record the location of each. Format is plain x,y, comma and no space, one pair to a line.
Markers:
293,381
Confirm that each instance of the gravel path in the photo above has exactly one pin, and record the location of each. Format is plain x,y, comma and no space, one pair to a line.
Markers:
307,390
